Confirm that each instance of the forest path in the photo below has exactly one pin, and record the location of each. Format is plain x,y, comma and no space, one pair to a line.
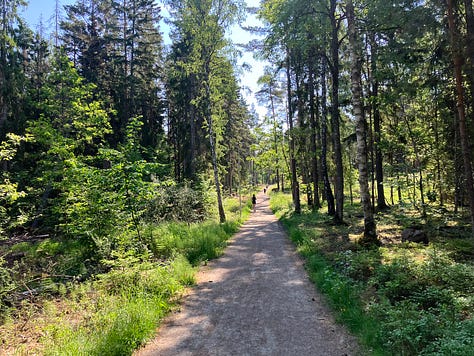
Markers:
254,300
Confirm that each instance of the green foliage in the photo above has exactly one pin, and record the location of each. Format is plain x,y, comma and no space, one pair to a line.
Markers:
457,341
131,303
115,310
7,285
9,192
178,203
399,299
406,330
198,242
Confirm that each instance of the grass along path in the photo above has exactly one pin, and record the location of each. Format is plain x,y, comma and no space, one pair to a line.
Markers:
254,300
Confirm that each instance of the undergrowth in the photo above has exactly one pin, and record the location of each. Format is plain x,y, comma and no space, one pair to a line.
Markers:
75,305
399,299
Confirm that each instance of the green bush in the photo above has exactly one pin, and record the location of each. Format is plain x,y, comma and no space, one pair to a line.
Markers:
178,203
7,284
457,341
406,330
359,265
397,280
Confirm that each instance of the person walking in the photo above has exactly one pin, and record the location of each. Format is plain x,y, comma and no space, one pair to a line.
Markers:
254,203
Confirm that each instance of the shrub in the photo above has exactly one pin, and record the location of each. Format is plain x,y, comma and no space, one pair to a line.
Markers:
396,280
360,265
458,341
178,203
406,330
6,285
125,306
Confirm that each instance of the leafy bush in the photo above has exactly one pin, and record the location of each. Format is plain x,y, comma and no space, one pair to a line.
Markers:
405,329
7,284
178,203
457,341
359,265
397,280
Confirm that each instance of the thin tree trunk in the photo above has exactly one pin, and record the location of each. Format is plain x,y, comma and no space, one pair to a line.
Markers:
295,188
3,75
324,145
275,138
314,130
470,47
419,167
370,235
463,132
212,144
381,203
335,116
438,173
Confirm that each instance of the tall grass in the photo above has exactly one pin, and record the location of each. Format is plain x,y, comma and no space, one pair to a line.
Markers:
117,310
132,300
197,242
123,308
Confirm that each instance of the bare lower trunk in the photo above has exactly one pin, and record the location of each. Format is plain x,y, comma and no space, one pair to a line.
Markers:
314,131
361,126
295,188
381,204
463,131
335,115
324,146
212,144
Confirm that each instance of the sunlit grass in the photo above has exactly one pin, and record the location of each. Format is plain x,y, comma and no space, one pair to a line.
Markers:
118,309
401,298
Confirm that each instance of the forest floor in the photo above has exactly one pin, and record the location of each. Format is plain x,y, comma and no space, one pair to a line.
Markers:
255,300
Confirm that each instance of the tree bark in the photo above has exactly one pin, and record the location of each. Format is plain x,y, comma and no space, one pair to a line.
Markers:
324,144
275,138
314,129
295,188
212,143
463,132
469,67
381,203
370,236
335,115
3,69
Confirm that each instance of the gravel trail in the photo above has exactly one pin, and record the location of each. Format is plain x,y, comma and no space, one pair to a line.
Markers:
254,300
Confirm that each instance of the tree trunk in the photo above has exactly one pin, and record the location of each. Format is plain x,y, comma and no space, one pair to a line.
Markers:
370,236
381,203
314,129
275,138
463,131
295,188
335,115
212,143
3,69
324,144
470,47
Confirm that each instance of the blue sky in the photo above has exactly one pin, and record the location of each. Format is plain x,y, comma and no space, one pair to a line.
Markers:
44,10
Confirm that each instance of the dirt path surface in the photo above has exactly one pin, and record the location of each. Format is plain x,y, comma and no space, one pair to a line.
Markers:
254,300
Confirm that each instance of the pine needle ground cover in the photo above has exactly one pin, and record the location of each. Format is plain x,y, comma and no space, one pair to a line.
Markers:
400,298
115,311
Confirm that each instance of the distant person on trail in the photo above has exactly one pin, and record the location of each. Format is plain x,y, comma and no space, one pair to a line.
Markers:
264,190
254,203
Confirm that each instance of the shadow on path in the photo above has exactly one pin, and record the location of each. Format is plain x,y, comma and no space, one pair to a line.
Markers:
254,300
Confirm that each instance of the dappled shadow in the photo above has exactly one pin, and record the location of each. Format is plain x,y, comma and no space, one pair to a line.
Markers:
254,300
